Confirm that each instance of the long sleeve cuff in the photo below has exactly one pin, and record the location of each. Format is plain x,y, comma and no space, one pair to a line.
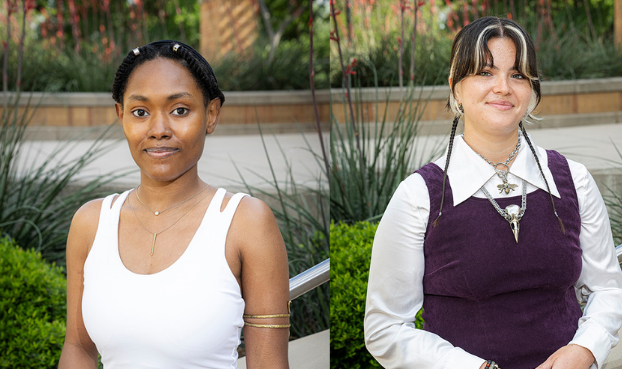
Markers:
594,338
458,358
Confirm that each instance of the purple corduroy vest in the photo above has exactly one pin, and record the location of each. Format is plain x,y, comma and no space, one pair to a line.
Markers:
499,300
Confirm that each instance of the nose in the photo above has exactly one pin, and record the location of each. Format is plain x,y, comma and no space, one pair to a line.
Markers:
159,127
502,86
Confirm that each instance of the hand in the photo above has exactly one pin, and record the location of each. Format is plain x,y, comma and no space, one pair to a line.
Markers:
569,357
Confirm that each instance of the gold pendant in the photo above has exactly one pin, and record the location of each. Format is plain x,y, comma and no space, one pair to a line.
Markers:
506,187
154,239
513,211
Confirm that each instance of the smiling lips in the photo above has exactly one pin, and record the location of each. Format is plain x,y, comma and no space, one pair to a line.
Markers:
161,152
501,105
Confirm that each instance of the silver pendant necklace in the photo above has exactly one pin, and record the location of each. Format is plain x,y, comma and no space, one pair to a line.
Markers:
512,213
502,173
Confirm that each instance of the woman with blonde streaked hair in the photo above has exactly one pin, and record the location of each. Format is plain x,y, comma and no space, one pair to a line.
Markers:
497,238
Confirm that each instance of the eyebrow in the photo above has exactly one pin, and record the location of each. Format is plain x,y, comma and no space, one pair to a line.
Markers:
169,98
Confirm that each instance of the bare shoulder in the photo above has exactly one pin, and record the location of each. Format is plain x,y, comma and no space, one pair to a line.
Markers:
254,225
253,209
84,227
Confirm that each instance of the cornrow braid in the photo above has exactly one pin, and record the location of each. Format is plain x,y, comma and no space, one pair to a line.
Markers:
451,145
533,151
185,55
204,74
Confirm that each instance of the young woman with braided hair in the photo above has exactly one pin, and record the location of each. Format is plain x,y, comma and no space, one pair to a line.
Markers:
167,274
496,239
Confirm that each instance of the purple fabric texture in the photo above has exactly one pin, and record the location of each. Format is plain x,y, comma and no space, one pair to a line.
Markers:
499,300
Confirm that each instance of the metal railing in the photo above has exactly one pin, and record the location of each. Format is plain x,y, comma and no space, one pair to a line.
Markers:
619,252
309,279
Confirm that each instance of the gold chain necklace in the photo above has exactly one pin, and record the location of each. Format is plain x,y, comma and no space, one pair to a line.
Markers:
156,213
155,234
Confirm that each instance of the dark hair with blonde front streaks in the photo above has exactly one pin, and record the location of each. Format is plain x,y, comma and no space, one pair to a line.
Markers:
470,54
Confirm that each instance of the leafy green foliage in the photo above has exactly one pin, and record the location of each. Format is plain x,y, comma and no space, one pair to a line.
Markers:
89,64
362,182
289,70
37,201
570,43
350,248
32,309
350,255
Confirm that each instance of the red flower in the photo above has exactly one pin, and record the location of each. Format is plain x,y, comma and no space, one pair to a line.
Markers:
310,22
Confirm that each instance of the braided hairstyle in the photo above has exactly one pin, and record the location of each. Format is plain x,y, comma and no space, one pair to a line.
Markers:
470,54
174,50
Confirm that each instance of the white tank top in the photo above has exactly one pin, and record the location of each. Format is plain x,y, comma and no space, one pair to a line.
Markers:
187,316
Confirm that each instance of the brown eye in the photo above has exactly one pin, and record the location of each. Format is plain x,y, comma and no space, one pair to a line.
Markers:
180,111
139,113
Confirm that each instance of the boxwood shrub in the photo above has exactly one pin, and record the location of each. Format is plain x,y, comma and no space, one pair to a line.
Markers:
32,309
350,254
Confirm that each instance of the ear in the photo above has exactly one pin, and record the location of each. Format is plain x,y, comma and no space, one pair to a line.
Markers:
455,90
213,111
119,108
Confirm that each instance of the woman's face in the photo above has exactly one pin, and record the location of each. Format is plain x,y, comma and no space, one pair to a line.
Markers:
496,98
165,119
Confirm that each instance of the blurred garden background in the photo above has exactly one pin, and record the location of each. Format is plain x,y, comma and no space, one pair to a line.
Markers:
389,68
60,146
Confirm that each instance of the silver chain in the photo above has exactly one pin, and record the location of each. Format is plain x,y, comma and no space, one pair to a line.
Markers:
503,174
507,161
504,213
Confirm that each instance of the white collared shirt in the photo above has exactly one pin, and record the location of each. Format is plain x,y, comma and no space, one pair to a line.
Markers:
395,289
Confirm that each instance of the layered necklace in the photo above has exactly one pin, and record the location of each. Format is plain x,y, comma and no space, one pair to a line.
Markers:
156,213
503,173
512,213
155,234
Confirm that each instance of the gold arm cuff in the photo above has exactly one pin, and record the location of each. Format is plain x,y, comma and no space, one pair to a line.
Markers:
266,316
268,325
289,311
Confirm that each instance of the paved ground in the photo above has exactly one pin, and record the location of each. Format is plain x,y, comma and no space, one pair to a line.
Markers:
310,352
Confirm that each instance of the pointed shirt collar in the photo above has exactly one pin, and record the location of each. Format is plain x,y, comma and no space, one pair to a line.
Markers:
468,172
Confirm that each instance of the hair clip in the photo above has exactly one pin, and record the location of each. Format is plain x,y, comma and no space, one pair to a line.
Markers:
136,51
176,47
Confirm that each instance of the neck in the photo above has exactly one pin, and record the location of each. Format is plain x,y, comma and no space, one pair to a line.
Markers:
494,148
160,195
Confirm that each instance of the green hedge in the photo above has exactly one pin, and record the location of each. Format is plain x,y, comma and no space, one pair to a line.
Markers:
350,255
32,309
